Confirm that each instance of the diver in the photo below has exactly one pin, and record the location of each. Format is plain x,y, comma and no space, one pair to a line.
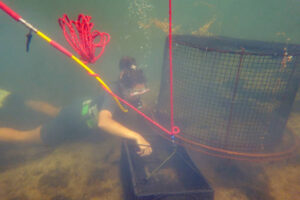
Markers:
78,119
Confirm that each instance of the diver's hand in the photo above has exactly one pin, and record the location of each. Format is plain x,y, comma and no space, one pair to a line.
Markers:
144,147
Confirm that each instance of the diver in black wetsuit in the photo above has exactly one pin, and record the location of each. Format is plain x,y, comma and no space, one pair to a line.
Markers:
77,120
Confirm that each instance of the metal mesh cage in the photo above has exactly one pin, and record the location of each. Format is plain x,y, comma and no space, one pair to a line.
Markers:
230,94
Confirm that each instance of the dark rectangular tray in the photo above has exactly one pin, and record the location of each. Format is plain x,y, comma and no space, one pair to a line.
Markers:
178,179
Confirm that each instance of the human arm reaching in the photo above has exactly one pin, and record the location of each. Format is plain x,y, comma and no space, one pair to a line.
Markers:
108,124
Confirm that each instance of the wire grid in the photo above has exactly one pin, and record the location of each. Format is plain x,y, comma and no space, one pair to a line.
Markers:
227,99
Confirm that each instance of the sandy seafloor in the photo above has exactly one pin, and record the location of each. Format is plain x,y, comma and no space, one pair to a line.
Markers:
90,170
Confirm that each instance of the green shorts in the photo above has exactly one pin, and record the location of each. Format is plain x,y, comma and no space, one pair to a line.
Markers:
67,126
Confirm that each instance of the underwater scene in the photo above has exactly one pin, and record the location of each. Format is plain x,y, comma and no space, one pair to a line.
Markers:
149,99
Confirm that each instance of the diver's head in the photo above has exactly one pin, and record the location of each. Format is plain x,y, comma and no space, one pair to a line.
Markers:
126,63
132,82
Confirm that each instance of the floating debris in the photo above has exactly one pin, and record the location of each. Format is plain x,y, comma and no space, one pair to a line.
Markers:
161,24
204,30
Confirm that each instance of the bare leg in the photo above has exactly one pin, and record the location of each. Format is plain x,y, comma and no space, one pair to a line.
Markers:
15,136
43,107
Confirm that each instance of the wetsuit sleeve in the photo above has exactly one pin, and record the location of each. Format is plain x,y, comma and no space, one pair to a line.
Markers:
108,102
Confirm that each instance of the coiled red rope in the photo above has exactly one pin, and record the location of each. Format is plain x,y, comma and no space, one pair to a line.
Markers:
82,39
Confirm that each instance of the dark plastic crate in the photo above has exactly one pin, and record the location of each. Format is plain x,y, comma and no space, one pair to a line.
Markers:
178,179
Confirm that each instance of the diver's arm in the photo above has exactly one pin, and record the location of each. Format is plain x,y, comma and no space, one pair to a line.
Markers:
108,124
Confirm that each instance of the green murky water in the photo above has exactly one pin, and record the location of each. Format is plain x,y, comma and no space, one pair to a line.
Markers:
138,28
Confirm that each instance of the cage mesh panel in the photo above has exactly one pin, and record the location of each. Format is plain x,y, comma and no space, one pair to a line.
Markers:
217,105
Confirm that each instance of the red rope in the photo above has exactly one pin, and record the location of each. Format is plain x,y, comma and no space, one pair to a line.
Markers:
134,108
83,41
216,151
138,111
174,129
225,154
242,154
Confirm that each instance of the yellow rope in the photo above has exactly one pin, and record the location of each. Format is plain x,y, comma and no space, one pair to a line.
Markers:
87,69
98,79
42,35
